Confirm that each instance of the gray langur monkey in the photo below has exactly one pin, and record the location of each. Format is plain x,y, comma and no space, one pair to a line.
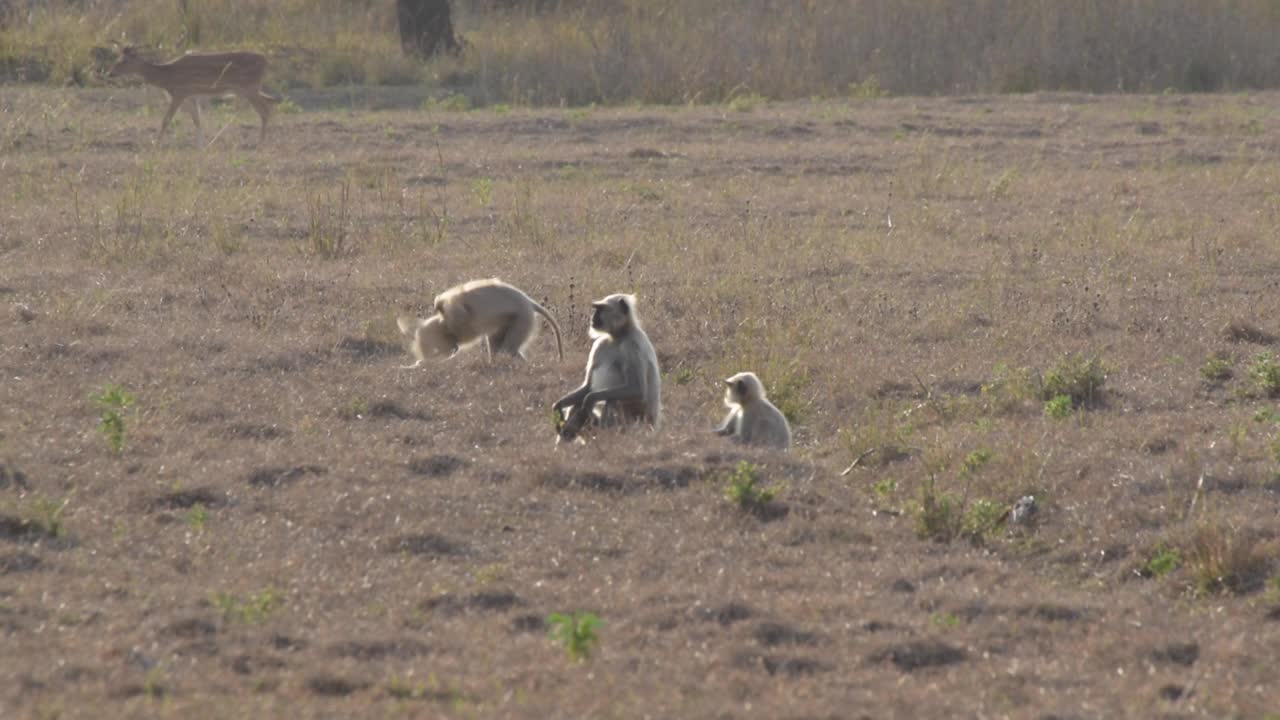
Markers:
623,383
490,310
752,419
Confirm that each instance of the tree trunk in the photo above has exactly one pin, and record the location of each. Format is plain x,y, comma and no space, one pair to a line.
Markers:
426,27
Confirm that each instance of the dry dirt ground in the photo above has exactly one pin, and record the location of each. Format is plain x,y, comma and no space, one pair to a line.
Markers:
294,527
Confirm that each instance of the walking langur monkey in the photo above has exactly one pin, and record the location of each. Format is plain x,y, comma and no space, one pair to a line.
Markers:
623,383
752,419
490,310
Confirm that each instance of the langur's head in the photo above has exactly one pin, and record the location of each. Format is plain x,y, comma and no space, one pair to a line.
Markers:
433,340
614,315
742,388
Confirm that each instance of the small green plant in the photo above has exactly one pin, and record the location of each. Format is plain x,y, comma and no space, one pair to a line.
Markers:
1216,369
1077,377
113,401
683,376
46,515
287,106
868,88
746,102
153,682
974,461
450,103
575,632
1265,372
787,385
1058,407
402,689
743,488
1274,446
355,409
1001,185
1272,593
196,516
945,620
578,114
1163,561
981,518
482,191
1008,390
883,489
488,574
252,609
937,514
1266,415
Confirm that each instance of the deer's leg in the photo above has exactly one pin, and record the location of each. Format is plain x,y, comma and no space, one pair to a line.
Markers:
174,102
193,107
262,104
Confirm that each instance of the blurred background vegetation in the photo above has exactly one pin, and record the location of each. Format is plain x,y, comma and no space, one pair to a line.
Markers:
577,52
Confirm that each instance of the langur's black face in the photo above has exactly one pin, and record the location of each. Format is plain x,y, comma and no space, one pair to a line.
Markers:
612,315
609,316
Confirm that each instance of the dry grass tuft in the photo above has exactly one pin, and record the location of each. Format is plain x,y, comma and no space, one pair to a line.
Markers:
1225,559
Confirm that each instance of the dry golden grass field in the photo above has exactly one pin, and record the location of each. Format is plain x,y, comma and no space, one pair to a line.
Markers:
1068,296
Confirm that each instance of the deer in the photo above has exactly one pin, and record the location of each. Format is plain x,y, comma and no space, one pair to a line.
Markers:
196,74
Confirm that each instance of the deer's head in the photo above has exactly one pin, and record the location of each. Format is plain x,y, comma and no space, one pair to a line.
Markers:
129,62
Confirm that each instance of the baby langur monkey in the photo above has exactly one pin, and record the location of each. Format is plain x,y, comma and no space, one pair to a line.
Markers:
490,310
752,419
623,383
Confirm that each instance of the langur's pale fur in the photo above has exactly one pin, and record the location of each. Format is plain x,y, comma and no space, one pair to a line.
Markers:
623,383
752,419
490,310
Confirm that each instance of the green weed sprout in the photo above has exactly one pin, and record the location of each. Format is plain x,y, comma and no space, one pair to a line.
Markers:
575,632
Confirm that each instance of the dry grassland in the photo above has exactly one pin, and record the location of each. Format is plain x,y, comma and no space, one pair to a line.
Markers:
293,527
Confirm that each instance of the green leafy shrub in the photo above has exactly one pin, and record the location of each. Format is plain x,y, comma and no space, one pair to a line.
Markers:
575,632
196,517
744,490
884,488
1216,369
1008,390
937,514
1163,561
1265,372
1076,377
1058,407
113,401
981,518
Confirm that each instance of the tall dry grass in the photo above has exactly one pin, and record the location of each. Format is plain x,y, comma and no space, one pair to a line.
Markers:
673,51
